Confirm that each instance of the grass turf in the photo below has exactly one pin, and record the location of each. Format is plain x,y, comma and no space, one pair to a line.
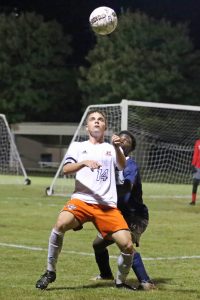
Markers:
169,247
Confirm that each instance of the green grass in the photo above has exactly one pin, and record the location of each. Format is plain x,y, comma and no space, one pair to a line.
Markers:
169,247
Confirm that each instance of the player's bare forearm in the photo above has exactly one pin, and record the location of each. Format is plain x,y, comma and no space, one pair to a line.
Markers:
72,168
75,167
121,160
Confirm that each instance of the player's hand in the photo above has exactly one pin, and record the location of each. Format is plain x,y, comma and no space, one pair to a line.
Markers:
116,140
92,164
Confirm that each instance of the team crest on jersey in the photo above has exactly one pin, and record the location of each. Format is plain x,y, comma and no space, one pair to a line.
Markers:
71,206
108,153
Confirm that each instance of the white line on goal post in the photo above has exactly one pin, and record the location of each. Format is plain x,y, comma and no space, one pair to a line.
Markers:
92,254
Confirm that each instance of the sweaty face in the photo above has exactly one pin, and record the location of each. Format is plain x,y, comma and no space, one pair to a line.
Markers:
126,143
96,124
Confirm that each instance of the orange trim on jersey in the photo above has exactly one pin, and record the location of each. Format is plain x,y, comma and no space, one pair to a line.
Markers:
106,219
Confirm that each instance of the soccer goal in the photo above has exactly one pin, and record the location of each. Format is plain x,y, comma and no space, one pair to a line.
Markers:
165,136
11,168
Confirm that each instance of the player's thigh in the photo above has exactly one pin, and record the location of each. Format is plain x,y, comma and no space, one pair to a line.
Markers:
123,240
66,221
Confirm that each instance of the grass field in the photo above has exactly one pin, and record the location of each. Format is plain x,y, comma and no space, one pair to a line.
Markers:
170,247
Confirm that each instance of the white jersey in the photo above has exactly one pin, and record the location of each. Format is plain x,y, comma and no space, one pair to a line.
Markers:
97,186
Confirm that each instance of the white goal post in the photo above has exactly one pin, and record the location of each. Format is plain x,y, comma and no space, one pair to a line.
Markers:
12,170
165,136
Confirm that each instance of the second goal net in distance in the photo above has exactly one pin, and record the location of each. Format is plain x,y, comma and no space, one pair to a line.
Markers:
12,170
165,136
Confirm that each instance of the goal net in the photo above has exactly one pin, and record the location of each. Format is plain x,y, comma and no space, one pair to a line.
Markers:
165,136
11,168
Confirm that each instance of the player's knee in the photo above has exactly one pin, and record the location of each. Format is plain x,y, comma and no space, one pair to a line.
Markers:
129,249
60,227
96,245
66,221
124,241
100,244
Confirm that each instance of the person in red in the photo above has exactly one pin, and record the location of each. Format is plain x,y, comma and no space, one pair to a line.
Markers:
196,169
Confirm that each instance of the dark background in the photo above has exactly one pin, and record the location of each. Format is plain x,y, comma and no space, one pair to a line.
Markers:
74,14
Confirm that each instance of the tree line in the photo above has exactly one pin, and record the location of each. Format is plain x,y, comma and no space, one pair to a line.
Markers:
143,59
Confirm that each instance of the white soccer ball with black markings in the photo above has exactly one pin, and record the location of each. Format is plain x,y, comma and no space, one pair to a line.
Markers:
103,20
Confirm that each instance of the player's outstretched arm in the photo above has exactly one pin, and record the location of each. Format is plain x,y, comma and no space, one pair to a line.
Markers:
121,159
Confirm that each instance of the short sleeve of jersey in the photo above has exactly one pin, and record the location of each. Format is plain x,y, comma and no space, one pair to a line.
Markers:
131,171
72,153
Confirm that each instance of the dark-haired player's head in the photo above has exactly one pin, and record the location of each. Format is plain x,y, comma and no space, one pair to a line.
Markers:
128,141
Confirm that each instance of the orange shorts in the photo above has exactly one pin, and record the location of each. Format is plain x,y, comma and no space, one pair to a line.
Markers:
105,218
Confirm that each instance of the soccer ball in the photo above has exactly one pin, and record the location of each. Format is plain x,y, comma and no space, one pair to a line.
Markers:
103,20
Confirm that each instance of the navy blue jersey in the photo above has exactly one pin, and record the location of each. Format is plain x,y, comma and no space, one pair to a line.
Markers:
129,190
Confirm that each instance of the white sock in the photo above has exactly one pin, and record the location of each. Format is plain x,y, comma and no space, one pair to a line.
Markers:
55,246
124,263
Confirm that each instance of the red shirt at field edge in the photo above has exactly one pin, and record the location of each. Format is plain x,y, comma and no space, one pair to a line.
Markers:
196,154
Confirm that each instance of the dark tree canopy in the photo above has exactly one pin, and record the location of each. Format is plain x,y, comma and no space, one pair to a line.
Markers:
143,59
35,82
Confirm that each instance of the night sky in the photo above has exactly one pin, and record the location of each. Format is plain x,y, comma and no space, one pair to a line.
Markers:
74,14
